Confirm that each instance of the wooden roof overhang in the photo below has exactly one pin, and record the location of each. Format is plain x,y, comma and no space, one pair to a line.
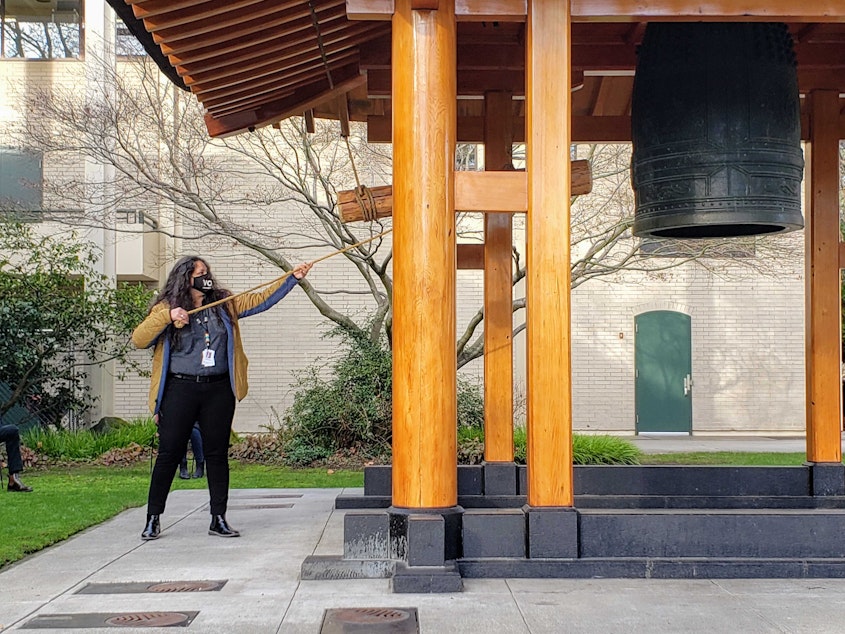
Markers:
252,63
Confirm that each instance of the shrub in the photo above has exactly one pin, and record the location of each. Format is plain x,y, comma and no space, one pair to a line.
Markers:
604,450
587,450
470,404
351,409
470,445
64,444
264,448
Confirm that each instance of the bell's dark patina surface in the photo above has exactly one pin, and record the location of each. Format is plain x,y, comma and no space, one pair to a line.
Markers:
716,131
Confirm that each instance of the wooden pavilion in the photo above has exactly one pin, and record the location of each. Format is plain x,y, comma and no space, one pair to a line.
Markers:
427,74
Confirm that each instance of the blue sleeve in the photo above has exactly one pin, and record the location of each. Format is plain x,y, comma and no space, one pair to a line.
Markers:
265,300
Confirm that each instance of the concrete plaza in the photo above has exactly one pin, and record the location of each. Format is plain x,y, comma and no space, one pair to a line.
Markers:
280,527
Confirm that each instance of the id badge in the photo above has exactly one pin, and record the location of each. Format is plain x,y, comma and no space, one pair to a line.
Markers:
208,358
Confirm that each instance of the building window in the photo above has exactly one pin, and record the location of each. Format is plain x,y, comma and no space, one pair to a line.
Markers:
126,44
134,217
41,29
20,182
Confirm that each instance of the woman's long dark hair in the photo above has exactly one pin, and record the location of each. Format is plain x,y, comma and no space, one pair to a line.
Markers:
177,290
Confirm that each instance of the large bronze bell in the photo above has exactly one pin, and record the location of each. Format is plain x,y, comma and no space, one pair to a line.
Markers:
716,131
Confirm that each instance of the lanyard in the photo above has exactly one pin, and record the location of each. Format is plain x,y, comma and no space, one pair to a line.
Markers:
204,324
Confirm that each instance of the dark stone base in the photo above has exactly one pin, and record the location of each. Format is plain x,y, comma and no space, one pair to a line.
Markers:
425,537
648,568
328,567
494,533
365,535
552,532
718,534
625,501
827,478
651,521
424,579
627,480
499,478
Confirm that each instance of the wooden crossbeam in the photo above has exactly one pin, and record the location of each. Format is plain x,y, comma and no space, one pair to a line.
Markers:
471,129
471,255
629,10
474,191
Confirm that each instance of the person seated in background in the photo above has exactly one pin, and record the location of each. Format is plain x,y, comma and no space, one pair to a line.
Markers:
199,457
10,435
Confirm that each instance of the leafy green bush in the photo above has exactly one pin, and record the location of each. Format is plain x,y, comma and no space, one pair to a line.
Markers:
603,450
470,404
64,444
350,406
587,449
470,445
349,409
262,448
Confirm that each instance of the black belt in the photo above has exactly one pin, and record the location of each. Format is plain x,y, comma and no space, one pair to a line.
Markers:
194,378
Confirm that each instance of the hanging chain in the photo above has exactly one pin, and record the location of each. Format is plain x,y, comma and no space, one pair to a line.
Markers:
316,24
364,197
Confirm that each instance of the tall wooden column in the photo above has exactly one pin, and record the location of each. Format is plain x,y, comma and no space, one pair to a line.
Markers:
548,312
822,296
424,266
498,289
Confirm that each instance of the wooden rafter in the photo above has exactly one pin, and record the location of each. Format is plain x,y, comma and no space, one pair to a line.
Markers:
631,10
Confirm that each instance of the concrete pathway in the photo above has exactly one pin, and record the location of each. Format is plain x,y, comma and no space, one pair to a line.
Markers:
280,527
670,443
263,593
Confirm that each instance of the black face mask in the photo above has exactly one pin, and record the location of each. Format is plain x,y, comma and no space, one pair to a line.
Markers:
203,283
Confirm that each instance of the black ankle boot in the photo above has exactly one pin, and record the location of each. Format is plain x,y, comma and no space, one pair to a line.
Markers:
200,470
183,470
152,529
15,484
220,527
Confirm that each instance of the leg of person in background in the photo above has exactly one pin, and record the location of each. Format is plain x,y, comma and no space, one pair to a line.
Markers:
199,455
11,436
183,465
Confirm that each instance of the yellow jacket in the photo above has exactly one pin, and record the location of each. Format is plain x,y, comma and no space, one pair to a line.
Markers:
154,330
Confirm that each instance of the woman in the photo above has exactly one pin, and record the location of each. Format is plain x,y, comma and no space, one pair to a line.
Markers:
199,372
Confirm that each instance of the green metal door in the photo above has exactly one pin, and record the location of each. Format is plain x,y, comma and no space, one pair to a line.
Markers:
663,359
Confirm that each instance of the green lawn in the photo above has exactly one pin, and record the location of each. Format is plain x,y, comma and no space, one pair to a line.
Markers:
69,499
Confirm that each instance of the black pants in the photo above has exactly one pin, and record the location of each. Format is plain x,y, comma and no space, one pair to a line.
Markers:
10,435
212,405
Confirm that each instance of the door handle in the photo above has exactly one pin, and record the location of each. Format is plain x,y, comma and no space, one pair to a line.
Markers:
687,384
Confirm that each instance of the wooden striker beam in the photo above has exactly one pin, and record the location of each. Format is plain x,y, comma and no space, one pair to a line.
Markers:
474,191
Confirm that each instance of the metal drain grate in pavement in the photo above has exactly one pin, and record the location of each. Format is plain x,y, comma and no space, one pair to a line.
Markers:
269,496
260,506
134,587
372,620
249,507
110,619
